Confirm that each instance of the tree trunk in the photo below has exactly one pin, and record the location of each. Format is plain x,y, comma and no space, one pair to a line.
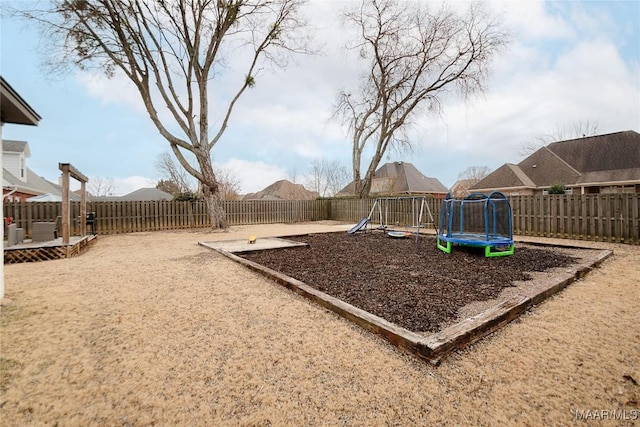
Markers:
361,187
211,192
365,188
216,213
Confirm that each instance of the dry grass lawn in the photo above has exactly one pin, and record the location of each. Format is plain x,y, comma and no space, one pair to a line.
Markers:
152,329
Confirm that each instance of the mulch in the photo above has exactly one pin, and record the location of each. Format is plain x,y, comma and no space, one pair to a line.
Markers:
409,283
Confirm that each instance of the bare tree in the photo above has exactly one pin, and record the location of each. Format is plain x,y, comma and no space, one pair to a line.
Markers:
176,180
578,129
292,174
414,57
171,51
475,173
229,184
315,179
326,177
168,187
467,178
100,187
337,177
173,174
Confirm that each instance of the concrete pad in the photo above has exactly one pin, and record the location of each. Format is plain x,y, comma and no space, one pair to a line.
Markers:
262,243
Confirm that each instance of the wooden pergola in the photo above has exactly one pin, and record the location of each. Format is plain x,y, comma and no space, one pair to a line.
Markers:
67,171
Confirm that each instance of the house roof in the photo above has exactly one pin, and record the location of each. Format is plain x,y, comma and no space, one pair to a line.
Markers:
12,182
35,184
544,168
507,175
620,150
610,176
11,146
608,158
409,179
146,194
463,183
283,190
36,181
401,177
14,109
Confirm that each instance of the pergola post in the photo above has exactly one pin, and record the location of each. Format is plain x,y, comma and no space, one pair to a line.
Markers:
83,209
65,203
68,170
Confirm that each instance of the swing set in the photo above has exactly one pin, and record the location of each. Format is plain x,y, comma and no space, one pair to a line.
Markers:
391,214
478,220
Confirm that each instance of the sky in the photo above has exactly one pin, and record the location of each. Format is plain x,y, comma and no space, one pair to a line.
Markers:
568,62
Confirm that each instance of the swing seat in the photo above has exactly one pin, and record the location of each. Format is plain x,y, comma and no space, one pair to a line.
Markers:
399,234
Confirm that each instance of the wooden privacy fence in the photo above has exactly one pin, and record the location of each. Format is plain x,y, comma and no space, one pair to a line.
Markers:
134,216
594,217
598,217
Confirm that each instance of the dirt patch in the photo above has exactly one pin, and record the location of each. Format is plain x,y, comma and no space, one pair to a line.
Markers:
152,329
409,283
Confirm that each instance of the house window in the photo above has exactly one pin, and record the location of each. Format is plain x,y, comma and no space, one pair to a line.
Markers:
22,167
592,190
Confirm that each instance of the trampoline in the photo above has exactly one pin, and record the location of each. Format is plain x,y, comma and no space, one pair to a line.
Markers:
477,220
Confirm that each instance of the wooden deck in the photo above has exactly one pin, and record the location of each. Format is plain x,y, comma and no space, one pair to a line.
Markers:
45,251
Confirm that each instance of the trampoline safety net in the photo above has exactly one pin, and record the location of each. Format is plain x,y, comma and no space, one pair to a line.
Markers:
478,219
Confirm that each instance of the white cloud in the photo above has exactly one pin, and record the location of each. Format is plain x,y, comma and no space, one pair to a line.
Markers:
532,20
122,186
117,90
253,176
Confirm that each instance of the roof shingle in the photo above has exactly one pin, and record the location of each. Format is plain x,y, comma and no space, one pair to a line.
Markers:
607,158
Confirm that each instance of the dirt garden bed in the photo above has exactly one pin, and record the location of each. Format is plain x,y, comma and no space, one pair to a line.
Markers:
414,285
418,297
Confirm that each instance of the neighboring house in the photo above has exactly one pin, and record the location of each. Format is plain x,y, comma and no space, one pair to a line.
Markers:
283,190
14,171
140,195
19,183
92,198
597,164
147,194
460,189
14,158
400,178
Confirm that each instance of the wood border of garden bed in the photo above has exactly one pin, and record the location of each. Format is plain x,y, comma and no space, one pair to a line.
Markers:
437,345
